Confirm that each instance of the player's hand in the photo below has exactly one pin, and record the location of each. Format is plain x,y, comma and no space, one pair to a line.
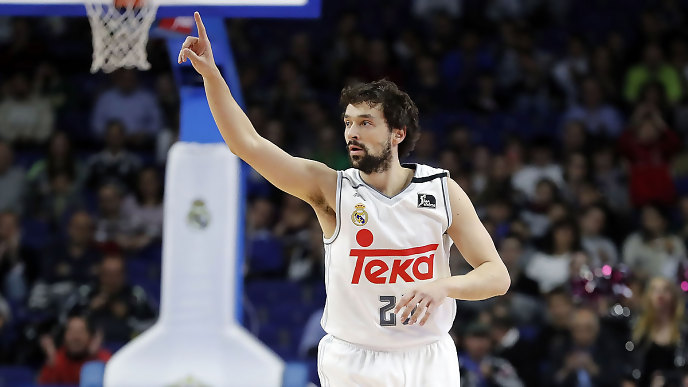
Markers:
424,297
198,51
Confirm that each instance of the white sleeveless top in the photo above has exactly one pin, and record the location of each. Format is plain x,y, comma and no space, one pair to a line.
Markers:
380,248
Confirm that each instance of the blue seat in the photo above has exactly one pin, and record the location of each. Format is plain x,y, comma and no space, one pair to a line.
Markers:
295,374
92,374
265,255
272,292
313,377
16,376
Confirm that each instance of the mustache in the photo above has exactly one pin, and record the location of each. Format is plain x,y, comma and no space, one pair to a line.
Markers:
356,143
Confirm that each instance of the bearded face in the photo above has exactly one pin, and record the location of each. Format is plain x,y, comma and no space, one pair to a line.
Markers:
362,159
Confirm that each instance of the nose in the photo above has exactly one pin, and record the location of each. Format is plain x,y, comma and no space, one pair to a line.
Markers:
351,133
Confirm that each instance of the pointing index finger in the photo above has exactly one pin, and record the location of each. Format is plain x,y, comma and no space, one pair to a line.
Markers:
200,26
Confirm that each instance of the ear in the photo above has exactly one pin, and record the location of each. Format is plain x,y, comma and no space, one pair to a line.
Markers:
398,135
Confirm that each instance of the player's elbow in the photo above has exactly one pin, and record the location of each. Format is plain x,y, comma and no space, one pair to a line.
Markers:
504,285
503,282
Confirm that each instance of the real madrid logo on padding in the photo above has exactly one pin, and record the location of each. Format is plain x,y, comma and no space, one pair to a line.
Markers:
199,216
360,216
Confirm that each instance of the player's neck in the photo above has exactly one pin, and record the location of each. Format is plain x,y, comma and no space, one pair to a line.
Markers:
391,181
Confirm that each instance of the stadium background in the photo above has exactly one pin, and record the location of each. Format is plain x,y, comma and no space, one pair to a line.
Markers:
564,121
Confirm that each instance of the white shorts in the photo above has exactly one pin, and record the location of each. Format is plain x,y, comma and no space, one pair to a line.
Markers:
341,363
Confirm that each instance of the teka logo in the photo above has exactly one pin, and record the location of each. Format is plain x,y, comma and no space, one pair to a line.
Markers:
426,200
377,271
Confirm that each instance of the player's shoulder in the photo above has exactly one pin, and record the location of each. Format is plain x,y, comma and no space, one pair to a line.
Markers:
425,172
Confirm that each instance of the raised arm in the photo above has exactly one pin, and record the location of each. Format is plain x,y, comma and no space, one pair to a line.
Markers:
309,180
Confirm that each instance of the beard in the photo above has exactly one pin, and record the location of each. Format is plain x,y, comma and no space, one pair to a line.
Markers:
371,163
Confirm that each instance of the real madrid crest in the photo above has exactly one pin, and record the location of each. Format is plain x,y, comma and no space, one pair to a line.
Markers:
359,216
199,216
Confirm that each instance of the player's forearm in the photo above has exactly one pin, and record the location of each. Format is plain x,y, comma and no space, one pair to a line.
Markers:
235,127
487,280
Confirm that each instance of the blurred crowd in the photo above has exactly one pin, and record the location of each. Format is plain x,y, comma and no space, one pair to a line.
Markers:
565,122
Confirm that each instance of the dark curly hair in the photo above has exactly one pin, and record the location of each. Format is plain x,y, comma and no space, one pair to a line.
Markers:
397,108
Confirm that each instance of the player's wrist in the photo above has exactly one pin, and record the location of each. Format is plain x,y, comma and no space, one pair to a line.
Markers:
212,73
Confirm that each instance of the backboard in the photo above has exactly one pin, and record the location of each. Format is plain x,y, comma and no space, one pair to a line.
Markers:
170,8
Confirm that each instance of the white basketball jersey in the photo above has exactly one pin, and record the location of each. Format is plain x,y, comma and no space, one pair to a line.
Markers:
381,247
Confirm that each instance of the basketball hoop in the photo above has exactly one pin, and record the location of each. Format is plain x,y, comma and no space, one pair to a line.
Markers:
120,32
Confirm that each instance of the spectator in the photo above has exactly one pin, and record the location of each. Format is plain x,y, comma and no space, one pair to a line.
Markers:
511,346
550,267
145,209
478,367
265,251
652,68
568,71
114,164
61,198
19,264
532,92
659,331
604,70
120,310
81,345
499,213
575,138
330,149
589,360
541,166
26,118
12,184
601,249
312,334
114,228
653,250
609,177
132,105
599,118
480,165
512,252
427,84
24,50
577,172
60,160
307,263
536,214
293,227
487,99
498,184
554,334
649,145
75,259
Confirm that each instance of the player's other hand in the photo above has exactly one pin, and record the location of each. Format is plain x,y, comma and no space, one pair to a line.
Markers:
421,300
198,51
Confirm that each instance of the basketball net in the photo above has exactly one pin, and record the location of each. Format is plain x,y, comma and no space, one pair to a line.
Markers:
120,32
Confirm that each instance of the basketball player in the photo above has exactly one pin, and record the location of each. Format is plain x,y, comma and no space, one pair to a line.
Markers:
387,227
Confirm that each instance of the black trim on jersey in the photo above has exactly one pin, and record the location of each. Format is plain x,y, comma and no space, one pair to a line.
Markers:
447,205
338,198
428,178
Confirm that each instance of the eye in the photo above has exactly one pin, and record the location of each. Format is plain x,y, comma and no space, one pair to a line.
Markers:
347,123
367,123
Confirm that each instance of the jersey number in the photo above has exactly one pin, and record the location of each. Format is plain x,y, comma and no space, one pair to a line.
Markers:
387,318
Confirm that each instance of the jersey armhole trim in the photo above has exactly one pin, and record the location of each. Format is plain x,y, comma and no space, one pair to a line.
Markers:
338,199
447,203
